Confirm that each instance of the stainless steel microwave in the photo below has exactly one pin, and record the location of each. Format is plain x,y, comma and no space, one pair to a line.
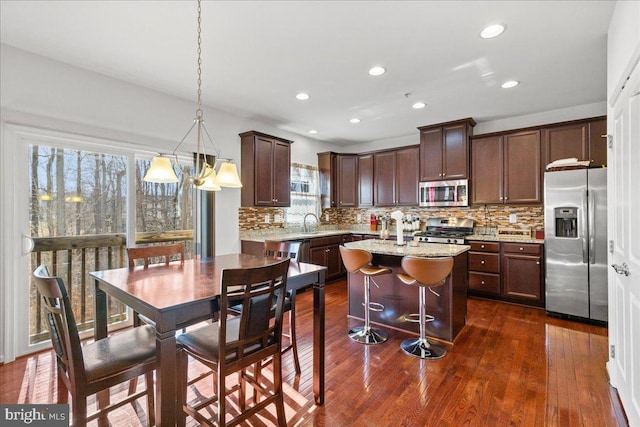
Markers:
444,193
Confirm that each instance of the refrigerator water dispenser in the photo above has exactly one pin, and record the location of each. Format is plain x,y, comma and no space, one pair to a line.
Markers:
566,220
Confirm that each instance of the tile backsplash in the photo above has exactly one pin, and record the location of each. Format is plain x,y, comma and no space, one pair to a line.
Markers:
527,217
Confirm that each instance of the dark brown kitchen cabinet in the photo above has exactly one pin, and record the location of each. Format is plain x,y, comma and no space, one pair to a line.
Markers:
326,251
365,180
266,170
582,140
507,168
507,271
338,179
522,272
484,268
396,174
444,150
347,175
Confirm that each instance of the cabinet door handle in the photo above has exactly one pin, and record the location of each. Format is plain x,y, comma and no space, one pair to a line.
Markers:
538,262
482,283
327,250
481,246
522,249
482,262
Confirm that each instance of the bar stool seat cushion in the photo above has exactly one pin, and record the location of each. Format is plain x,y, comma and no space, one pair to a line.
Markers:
407,280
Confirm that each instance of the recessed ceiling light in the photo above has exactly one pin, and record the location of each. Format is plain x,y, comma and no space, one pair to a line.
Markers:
377,70
419,105
313,131
492,31
354,120
510,83
302,96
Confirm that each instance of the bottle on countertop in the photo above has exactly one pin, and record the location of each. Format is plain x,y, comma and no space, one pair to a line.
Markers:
373,223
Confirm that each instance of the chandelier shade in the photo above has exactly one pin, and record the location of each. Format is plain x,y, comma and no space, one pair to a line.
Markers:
161,171
228,176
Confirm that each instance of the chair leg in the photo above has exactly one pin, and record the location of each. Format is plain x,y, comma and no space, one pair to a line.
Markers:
366,334
277,386
63,393
181,394
104,399
79,410
222,399
151,407
292,334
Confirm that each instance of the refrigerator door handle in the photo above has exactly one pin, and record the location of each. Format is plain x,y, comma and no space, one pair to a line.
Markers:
592,231
584,231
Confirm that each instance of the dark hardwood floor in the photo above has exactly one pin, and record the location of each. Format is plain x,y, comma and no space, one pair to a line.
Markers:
510,366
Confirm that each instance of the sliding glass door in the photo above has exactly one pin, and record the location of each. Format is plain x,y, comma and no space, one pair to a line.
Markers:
85,203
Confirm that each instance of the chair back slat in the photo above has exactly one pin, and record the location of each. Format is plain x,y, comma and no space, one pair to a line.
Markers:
63,329
282,249
252,335
149,253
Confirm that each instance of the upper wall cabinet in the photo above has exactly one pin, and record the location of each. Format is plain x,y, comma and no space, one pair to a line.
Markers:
396,177
583,141
266,170
507,168
365,180
338,180
444,150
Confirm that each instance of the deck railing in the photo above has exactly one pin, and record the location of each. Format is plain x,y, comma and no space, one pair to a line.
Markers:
73,258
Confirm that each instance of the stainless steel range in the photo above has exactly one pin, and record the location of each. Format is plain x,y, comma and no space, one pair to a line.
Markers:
446,230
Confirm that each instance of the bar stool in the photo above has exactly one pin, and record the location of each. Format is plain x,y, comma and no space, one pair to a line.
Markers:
359,261
425,273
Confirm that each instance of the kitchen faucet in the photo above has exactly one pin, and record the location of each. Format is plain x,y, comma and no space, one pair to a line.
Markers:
305,229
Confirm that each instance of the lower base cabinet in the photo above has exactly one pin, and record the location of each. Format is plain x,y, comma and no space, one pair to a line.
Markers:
507,271
326,251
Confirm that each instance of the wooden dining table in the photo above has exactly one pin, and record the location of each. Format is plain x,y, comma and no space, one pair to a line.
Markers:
183,293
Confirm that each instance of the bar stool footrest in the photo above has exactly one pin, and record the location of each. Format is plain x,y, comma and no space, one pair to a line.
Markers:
415,318
368,335
375,306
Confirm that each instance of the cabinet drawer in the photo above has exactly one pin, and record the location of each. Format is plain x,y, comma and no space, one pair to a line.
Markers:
484,282
487,262
325,241
485,246
522,248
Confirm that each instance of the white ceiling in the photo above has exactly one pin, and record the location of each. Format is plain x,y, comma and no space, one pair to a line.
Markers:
258,54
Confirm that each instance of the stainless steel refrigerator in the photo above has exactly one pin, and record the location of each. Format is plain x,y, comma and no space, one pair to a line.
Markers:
575,240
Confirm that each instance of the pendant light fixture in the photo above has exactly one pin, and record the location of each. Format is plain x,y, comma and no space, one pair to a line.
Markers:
205,177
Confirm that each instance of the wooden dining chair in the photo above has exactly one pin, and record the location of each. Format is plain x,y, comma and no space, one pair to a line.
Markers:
287,250
237,342
150,255
96,366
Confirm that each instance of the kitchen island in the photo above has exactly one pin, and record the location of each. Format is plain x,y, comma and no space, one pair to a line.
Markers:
449,309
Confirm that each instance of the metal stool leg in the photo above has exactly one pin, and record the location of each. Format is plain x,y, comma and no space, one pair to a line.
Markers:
366,334
421,347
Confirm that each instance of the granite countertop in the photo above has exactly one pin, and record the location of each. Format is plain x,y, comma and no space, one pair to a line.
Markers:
494,238
389,247
288,234
261,236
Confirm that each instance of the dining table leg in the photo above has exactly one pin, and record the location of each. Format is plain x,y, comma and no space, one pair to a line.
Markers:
100,310
166,380
318,339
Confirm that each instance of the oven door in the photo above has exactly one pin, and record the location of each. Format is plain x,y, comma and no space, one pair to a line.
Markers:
444,193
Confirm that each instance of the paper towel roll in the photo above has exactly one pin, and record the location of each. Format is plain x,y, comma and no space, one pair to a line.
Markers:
398,215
